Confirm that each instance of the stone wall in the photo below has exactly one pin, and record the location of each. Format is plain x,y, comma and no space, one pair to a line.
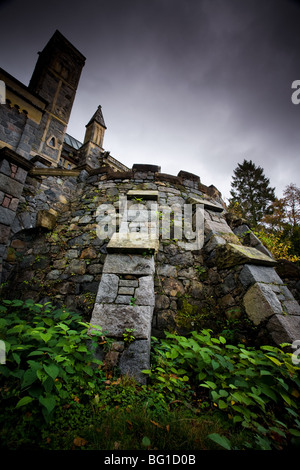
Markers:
55,254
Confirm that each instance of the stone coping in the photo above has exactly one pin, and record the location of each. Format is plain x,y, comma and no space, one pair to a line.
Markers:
133,242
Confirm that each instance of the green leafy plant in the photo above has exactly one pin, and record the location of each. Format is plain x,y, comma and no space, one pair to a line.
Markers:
256,388
132,301
46,348
128,336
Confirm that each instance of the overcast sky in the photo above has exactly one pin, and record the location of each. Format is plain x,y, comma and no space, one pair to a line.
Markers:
194,85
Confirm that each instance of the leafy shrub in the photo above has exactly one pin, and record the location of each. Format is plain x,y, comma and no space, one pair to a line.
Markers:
47,350
256,388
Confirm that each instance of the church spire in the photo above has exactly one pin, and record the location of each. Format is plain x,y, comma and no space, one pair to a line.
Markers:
98,117
95,129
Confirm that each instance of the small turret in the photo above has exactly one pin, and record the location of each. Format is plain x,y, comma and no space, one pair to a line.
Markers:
95,129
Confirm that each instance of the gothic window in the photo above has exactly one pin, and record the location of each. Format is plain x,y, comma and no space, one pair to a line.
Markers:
52,142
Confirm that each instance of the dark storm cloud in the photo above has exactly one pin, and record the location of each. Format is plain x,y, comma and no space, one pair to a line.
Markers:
195,84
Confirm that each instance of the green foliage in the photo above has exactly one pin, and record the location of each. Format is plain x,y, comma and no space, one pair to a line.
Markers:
255,388
46,350
202,393
128,336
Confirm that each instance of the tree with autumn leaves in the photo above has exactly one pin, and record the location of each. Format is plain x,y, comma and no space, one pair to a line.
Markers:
276,221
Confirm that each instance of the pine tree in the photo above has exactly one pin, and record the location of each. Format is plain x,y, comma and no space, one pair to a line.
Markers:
251,189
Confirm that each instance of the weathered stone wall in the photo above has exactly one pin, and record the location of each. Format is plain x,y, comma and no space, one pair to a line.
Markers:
55,254
17,130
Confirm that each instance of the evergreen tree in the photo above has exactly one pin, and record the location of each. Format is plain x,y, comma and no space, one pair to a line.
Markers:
252,191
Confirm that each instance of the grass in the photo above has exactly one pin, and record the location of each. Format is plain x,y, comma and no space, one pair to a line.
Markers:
128,429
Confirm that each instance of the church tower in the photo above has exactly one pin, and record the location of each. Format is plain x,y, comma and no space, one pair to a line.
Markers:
55,79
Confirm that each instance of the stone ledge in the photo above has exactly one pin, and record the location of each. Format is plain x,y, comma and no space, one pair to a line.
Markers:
133,242
146,168
13,157
207,204
142,194
232,255
53,172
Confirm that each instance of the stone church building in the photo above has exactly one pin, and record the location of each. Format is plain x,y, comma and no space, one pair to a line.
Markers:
129,248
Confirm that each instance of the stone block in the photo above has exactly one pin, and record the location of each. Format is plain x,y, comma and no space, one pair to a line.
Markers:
128,264
161,302
182,259
284,328
123,299
10,186
291,307
45,219
6,216
145,167
173,287
136,358
214,242
144,294
114,319
108,288
76,267
241,230
261,302
126,290
72,254
217,228
143,194
133,242
208,205
251,274
167,270
232,255
4,233
128,283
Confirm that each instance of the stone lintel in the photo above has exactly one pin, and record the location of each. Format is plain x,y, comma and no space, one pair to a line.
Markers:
118,263
133,242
